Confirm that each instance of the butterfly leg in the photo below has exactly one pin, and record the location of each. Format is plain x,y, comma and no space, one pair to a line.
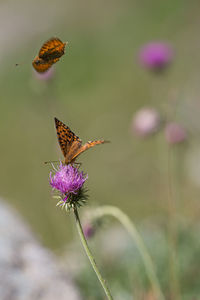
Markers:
50,161
54,167
78,164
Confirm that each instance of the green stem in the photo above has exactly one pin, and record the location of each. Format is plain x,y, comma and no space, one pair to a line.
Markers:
130,227
89,254
172,221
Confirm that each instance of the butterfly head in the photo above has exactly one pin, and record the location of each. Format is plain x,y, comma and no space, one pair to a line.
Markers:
40,65
37,61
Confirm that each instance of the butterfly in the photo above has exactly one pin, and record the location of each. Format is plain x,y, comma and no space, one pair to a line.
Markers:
70,144
49,54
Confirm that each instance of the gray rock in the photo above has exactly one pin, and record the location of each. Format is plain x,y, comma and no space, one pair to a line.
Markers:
28,271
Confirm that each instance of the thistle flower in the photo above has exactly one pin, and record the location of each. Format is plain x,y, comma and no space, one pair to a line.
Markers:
68,181
156,55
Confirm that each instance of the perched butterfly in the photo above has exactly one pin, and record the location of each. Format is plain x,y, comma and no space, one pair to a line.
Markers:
49,54
70,144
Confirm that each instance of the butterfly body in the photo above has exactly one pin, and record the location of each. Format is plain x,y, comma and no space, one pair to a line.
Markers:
49,54
70,144
73,150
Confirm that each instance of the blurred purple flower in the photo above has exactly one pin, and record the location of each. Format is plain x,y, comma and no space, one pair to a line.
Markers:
88,230
175,133
156,55
46,76
146,121
67,180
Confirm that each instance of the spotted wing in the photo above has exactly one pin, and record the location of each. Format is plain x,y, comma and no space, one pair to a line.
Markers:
52,49
88,145
66,137
41,65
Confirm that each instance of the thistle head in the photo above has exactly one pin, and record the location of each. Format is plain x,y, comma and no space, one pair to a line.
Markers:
156,55
68,182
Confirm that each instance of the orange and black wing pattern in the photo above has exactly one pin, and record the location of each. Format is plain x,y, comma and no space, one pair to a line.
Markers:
66,137
41,65
70,144
52,49
49,54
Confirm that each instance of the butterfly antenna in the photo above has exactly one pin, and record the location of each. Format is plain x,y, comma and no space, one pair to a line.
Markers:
19,64
50,162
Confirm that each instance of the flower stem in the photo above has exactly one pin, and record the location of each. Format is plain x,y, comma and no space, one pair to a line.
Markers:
89,254
130,227
172,229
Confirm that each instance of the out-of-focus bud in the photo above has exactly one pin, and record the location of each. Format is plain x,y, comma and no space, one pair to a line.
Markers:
88,230
46,76
156,55
146,122
175,133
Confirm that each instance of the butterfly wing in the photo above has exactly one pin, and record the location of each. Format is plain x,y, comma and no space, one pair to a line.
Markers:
70,144
52,49
67,139
88,145
41,65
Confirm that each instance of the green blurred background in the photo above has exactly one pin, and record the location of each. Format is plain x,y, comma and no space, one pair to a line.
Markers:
97,87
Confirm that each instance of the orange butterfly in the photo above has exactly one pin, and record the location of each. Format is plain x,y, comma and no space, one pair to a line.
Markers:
49,54
70,144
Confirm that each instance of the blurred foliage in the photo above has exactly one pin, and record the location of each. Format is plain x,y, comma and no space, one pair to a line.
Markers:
124,269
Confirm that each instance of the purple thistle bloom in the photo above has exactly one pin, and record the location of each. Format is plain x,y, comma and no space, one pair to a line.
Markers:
68,181
156,55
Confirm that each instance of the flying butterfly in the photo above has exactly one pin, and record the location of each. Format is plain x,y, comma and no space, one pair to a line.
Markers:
70,144
49,54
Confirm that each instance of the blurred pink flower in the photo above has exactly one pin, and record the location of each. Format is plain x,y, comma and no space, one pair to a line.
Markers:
145,122
88,230
46,76
175,133
156,55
